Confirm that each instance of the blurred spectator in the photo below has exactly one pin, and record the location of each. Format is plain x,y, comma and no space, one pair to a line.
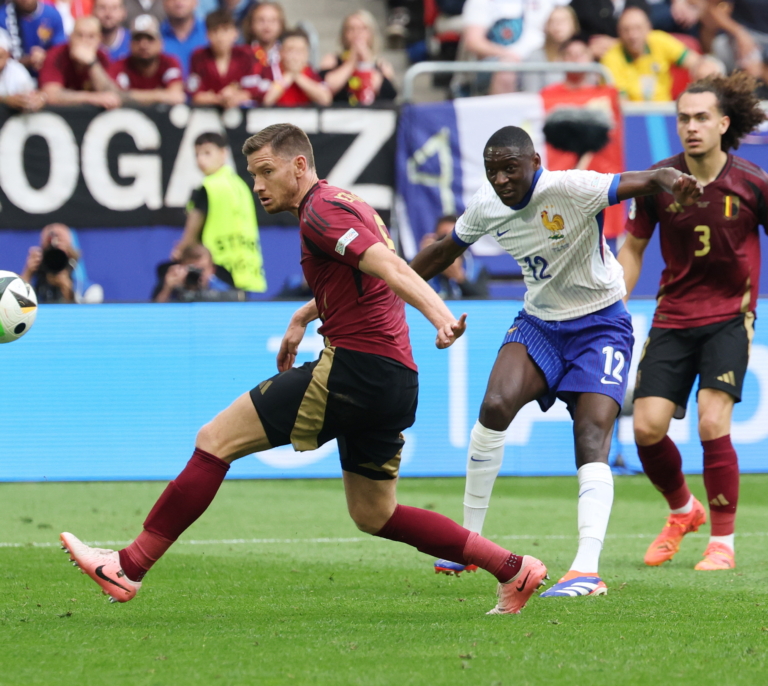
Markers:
76,73
262,28
744,24
133,8
70,10
598,20
182,31
34,29
224,74
708,65
221,214
194,279
504,31
148,75
676,16
294,82
405,24
561,26
17,87
462,279
55,270
641,61
358,76
576,50
115,39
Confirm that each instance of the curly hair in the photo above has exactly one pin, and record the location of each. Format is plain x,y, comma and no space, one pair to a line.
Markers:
736,99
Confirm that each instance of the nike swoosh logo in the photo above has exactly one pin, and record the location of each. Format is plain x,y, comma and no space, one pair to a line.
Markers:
474,459
606,382
524,581
501,233
101,575
587,491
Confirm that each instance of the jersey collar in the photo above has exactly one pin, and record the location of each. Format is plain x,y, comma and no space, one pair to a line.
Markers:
524,202
310,192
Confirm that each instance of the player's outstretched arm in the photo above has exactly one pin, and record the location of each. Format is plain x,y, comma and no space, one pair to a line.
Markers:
685,188
631,259
289,346
437,257
380,261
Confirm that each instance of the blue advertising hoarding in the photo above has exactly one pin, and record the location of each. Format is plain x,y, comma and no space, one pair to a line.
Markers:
117,392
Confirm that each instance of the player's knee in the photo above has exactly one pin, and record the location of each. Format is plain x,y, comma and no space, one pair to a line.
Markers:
207,439
712,426
649,432
592,440
366,520
496,413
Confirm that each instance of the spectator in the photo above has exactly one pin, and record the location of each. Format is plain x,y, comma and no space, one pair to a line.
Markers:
503,31
115,39
149,76
224,74
133,8
194,279
577,50
222,215
294,82
34,29
182,31
744,24
641,61
358,76
55,269
561,26
17,87
462,279
599,18
76,73
676,16
262,28
71,10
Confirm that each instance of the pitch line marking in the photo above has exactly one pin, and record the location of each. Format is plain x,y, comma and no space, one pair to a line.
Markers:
356,539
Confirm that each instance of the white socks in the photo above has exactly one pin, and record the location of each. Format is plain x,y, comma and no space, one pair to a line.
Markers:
726,540
484,458
685,509
595,501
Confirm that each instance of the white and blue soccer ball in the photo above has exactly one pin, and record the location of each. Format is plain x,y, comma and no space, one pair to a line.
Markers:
18,307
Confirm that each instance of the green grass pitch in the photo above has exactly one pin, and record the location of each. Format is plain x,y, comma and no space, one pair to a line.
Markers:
367,611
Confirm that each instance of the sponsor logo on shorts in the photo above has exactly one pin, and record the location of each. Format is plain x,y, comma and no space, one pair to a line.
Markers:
345,240
728,377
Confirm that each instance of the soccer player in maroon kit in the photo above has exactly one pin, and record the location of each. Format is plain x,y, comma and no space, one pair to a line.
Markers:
705,314
362,390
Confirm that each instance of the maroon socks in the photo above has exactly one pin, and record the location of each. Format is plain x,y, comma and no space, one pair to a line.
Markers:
663,465
438,536
721,479
182,502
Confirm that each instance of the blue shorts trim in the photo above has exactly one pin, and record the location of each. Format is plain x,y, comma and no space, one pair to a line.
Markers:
591,354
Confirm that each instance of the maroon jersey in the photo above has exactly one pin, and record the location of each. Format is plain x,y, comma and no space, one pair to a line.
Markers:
128,77
711,249
359,312
243,71
60,68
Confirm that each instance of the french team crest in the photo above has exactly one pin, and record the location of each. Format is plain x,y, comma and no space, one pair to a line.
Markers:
554,225
731,206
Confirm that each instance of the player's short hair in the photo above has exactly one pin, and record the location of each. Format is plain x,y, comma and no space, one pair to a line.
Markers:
217,19
286,141
218,139
736,99
511,137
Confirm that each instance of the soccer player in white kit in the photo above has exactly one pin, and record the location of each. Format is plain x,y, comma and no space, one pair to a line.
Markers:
572,340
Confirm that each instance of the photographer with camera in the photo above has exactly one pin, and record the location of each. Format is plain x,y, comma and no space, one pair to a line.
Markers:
55,271
194,279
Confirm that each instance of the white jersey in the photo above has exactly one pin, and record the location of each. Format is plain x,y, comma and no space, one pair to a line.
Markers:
556,236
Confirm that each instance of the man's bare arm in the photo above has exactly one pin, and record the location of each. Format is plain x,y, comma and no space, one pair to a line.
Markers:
437,257
631,259
684,187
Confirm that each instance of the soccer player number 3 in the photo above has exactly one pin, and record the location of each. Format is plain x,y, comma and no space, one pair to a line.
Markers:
704,233
612,355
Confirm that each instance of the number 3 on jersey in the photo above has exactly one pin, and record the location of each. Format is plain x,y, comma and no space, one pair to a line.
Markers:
384,233
612,372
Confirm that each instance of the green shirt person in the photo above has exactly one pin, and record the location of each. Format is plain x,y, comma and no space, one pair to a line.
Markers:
221,215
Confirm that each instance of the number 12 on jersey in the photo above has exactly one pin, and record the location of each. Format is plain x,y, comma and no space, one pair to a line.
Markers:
534,264
614,372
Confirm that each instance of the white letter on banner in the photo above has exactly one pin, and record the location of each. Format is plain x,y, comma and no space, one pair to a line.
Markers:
437,144
755,429
62,153
375,128
145,170
186,176
457,393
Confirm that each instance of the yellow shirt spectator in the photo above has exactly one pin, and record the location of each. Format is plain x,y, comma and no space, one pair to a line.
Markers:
647,77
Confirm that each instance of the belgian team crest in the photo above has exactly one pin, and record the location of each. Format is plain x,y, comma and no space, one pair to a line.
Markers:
731,206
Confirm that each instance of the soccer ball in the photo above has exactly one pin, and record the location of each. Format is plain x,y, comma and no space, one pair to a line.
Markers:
18,307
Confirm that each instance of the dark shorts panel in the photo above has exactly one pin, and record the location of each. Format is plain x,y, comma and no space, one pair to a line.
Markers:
672,359
365,401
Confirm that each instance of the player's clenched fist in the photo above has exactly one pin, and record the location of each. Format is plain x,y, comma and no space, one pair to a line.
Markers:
448,333
687,189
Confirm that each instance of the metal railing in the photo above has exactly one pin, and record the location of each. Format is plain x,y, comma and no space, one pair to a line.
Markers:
479,67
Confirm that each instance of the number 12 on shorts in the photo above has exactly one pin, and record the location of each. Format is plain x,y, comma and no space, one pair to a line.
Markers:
612,371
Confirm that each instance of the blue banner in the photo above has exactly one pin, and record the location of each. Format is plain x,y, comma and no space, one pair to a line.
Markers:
119,391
